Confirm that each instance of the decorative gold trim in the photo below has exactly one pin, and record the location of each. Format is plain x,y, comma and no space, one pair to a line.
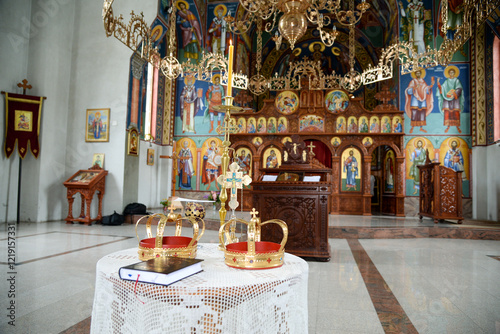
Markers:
146,253
251,259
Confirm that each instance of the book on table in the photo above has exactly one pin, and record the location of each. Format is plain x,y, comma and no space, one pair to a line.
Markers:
161,270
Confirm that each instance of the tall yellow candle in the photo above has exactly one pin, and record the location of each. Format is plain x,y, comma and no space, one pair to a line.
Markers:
230,70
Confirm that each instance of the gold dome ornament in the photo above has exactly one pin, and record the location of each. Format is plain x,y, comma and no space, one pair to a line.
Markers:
168,246
254,253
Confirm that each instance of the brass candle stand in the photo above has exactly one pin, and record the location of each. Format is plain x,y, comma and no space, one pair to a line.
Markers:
226,129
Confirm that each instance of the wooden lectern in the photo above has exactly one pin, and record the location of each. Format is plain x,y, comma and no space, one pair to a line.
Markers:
440,192
86,182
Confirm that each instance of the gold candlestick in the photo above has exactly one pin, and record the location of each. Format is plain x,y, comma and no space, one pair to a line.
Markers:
226,129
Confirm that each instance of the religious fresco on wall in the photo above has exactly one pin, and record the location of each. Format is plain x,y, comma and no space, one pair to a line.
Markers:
214,97
437,100
367,141
340,125
374,124
186,164
311,123
389,168
416,23
243,157
493,22
454,154
218,33
455,19
286,139
282,125
386,124
190,102
336,101
211,154
252,125
352,126
261,125
242,64
351,170
415,156
136,106
271,125
287,102
242,125
336,141
271,158
397,125
257,141
363,124
189,32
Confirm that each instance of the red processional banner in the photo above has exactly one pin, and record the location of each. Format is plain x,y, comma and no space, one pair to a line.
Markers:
22,123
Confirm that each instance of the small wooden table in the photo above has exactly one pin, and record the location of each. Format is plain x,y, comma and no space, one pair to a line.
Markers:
86,182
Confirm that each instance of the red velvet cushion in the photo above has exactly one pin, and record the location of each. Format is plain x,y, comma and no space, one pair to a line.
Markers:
168,242
260,247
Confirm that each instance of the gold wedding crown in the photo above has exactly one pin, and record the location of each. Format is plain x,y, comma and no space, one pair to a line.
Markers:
171,246
254,253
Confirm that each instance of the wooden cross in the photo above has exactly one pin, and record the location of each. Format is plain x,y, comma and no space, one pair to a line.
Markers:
234,180
24,86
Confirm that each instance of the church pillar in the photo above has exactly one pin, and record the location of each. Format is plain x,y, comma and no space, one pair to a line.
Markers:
400,182
478,88
335,184
367,196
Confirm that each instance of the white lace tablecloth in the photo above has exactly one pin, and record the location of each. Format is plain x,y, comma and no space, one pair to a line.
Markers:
219,300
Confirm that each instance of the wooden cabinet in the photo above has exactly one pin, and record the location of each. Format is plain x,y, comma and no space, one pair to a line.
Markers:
304,206
440,192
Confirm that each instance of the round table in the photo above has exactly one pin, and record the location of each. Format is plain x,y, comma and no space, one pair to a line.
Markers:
220,299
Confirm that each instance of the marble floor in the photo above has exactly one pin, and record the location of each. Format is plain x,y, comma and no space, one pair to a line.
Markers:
370,285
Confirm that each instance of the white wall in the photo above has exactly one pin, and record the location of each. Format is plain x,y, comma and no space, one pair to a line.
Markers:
14,39
486,186
69,59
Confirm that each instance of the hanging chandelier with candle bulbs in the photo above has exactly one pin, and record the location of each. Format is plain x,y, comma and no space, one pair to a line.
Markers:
289,19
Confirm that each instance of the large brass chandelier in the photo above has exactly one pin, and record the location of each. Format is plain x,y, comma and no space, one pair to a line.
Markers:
293,24
296,14
137,36
289,19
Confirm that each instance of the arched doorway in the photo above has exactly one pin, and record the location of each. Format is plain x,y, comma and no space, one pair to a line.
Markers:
321,151
383,181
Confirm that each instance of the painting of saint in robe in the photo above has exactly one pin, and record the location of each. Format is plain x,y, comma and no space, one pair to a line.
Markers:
396,125
190,103
341,126
272,158
282,126
212,160
374,125
353,126
271,125
451,98
190,30
261,126
386,125
351,173
185,166
251,128
244,160
363,125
